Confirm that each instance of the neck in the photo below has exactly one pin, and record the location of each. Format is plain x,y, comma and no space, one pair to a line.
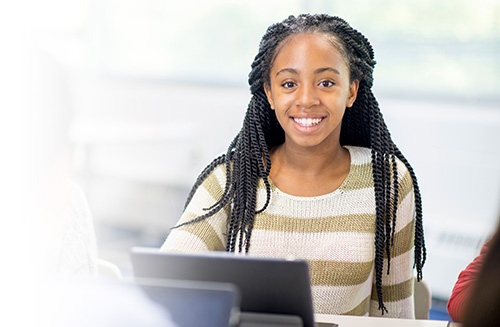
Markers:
309,162
309,172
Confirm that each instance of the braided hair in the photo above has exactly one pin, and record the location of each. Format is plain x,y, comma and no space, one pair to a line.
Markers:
247,158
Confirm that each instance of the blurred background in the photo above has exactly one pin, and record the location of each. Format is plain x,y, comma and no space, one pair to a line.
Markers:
134,98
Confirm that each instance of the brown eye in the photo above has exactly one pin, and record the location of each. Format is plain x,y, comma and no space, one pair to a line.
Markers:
326,83
288,85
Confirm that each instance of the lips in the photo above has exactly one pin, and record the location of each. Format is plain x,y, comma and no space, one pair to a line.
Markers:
308,122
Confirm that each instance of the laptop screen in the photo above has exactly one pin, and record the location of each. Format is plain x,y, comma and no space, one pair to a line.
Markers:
267,285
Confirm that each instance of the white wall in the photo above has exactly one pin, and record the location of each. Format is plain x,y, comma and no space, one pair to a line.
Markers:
141,144
454,150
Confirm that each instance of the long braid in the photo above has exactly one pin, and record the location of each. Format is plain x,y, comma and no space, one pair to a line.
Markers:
247,158
378,181
217,161
420,251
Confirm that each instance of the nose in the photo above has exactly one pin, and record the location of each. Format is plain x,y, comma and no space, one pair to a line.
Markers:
307,96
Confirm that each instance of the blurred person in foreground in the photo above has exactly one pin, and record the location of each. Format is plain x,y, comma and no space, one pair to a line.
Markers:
464,285
61,267
477,301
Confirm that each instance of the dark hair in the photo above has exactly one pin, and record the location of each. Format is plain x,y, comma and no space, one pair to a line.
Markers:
247,158
481,309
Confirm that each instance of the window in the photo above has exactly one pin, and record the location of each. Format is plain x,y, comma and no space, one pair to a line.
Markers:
426,49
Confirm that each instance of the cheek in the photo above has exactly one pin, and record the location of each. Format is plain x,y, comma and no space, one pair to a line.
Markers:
284,101
281,114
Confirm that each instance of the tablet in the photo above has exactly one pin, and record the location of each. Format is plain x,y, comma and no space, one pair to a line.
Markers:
266,285
194,303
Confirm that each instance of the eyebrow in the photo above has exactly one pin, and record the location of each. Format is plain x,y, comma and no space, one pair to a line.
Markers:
326,69
317,71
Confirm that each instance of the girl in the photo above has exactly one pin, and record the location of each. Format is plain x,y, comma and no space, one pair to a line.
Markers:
314,174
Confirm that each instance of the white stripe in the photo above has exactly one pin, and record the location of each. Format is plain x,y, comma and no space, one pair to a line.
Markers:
360,156
362,200
401,269
404,309
219,221
220,174
201,199
334,246
179,240
406,211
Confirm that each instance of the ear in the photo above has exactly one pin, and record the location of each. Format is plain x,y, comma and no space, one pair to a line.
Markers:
269,96
353,93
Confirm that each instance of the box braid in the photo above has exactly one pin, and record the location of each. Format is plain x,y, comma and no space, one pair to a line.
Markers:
247,157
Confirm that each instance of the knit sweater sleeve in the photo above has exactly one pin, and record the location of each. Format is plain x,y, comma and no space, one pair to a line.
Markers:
205,235
397,285
462,287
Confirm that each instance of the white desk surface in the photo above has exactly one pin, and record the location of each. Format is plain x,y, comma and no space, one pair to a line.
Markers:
354,321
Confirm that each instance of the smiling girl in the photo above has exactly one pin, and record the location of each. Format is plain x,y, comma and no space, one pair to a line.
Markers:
314,174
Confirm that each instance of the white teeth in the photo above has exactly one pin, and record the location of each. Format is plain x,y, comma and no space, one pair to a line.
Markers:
308,122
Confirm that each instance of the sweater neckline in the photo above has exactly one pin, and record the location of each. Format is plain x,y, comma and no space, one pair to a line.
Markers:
317,197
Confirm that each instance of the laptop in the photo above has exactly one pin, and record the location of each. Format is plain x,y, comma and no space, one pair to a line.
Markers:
194,303
269,286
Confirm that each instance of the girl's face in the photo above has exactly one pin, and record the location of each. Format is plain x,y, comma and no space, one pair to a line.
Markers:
309,91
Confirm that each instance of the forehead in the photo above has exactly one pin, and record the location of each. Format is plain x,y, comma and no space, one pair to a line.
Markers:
309,49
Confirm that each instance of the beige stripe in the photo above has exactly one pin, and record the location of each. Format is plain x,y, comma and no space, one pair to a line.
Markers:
359,223
339,273
393,293
360,176
403,241
205,231
361,309
212,185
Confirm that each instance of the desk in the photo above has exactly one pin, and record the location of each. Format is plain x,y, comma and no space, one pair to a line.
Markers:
355,321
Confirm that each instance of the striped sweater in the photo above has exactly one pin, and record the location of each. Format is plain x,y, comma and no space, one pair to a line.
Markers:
335,233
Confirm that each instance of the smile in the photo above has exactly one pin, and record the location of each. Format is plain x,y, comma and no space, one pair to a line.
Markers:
307,122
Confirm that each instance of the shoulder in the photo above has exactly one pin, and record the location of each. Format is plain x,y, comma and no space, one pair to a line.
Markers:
359,155
404,177
363,156
213,178
77,208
